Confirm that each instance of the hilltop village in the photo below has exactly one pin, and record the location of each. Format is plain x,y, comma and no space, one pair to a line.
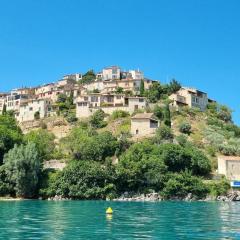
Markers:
109,90
115,134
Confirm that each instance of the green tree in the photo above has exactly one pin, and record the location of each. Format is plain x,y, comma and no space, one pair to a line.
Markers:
10,134
44,142
119,90
154,93
87,145
83,180
97,119
158,112
142,89
6,187
88,77
167,116
4,111
181,184
163,133
140,168
23,167
173,86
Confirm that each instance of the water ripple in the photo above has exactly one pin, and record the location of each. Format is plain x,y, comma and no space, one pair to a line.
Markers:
87,220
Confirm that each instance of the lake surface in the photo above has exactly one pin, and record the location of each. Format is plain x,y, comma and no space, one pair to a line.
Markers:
87,220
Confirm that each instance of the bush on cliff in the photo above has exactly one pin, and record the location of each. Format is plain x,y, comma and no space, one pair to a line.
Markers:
82,180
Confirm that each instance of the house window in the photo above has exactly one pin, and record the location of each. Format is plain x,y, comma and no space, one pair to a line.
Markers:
135,107
141,99
137,131
30,108
119,97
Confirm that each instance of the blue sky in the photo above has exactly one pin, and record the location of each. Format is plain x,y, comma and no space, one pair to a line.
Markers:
195,41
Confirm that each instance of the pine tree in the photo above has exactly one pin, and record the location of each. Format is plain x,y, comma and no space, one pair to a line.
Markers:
142,90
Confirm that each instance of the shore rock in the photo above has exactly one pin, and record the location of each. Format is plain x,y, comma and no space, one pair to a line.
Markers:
58,198
150,197
230,197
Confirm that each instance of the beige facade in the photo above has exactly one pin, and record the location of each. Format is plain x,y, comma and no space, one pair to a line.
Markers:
111,73
190,97
14,101
229,166
136,74
27,111
143,124
86,105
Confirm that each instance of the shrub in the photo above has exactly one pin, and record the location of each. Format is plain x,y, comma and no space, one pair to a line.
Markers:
119,114
141,167
71,118
181,184
163,133
219,187
158,112
44,142
182,140
185,128
85,144
82,180
97,119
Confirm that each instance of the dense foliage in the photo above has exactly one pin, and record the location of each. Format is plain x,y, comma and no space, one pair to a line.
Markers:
10,134
22,167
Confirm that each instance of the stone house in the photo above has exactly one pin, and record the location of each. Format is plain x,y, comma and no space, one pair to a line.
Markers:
189,97
144,124
230,167
38,107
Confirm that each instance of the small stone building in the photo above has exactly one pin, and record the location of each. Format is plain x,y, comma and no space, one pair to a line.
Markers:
230,167
144,124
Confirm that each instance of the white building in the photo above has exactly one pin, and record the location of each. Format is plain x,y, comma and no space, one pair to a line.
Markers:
34,109
111,73
74,77
14,101
136,74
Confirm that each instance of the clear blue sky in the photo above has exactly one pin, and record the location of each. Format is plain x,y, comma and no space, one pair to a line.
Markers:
195,41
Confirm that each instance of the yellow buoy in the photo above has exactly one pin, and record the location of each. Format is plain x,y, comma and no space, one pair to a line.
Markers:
109,211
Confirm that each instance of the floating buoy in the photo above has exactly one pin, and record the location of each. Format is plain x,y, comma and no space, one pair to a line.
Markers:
109,211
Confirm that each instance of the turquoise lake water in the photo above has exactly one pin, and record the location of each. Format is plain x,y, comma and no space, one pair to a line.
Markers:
87,220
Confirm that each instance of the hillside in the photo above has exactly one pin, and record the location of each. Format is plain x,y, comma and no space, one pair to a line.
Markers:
103,160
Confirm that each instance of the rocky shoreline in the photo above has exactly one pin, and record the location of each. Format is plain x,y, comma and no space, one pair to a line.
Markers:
156,197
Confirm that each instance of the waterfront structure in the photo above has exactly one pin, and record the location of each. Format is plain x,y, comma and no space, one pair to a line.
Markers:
144,124
229,166
190,97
